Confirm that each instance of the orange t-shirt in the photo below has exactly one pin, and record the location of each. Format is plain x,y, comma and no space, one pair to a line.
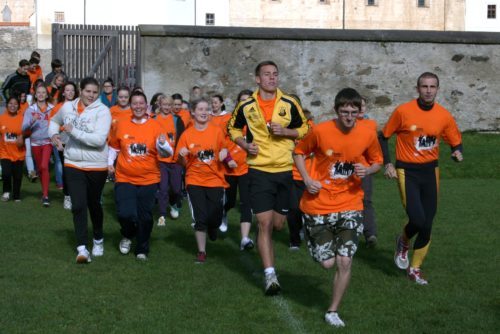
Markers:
34,76
23,107
167,123
418,132
238,154
203,167
185,115
138,157
267,108
10,129
118,114
335,154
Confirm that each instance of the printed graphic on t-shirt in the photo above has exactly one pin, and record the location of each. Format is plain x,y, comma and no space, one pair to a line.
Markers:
171,137
137,149
425,142
10,137
341,169
206,156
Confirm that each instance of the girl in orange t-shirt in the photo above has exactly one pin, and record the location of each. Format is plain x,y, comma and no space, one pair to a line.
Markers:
12,150
201,150
138,143
120,111
170,189
235,173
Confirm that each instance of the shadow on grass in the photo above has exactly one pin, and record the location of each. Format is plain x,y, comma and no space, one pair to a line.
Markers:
377,259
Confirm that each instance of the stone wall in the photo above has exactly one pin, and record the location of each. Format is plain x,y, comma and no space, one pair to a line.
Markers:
17,43
316,64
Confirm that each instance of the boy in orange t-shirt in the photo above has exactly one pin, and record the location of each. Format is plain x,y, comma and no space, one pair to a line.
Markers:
201,149
344,153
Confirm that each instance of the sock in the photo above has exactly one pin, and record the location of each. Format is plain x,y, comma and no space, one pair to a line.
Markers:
419,256
269,270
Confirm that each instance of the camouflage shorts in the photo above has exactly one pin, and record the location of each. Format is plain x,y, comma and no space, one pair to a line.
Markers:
333,234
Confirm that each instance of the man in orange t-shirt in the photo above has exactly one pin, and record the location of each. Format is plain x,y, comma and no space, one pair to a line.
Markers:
344,153
419,125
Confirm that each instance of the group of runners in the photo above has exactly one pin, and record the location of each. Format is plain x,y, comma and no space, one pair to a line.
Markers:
152,149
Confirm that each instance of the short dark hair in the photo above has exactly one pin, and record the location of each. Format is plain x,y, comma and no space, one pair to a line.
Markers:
109,80
177,96
243,92
35,54
34,60
88,81
138,93
56,63
349,97
427,75
23,62
264,63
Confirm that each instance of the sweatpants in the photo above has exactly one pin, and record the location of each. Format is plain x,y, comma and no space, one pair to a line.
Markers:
12,176
206,205
170,187
41,154
239,183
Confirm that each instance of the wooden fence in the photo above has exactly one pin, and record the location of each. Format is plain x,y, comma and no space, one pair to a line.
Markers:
98,51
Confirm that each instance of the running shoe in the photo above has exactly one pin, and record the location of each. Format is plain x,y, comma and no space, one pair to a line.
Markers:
332,318
141,257
83,256
271,285
201,257
32,176
67,203
98,248
5,197
246,244
294,247
161,221
415,275
125,246
174,212
223,225
401,254
45,202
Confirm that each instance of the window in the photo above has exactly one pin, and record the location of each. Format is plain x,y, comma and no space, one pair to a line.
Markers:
371,3
492,11
422,3
59,17
209,19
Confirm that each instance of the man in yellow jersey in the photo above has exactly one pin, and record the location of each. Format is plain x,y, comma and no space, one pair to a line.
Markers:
273,120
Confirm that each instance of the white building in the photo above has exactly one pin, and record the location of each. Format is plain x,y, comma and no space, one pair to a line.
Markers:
119,12
482,15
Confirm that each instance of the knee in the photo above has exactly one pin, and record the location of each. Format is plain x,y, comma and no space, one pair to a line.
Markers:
327,264
344,263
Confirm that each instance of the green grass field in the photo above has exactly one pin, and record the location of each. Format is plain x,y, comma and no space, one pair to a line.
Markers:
44,291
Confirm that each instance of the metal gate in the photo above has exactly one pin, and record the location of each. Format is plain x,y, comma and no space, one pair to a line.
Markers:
98,51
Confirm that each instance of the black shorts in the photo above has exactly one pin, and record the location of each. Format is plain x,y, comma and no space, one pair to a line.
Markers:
270,191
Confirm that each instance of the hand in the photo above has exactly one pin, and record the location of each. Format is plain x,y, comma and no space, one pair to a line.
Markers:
68,127
222,154
20,141
457,156
183,152
313,186
57,142
111,170
252,149
232,164
161,139
277,129
390,172
360,170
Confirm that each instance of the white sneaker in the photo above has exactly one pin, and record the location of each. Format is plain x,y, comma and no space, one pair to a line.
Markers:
83,255
125,246
142,257
272,286
246,244
174,212
333,319
98,248
67,203
5,197
415,275
161,221
223,225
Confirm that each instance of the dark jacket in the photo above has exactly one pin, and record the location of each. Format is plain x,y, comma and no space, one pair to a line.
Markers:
16,83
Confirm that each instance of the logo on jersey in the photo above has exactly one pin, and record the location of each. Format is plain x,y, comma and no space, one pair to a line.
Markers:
171,137
341,169
137,149
206,156
10,137
425,142
282,112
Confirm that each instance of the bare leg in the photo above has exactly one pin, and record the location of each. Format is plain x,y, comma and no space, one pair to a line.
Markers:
201,240
265,241
341,281
245,229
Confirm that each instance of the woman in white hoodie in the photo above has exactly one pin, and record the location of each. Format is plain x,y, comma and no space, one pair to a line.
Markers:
85,123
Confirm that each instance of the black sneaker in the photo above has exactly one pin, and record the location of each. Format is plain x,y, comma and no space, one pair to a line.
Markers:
45,202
